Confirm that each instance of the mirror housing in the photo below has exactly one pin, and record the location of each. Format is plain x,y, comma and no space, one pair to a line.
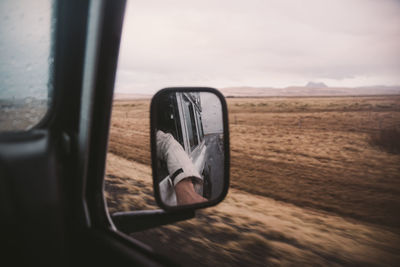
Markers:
186,156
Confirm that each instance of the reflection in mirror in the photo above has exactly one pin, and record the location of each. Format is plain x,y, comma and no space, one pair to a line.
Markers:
189,147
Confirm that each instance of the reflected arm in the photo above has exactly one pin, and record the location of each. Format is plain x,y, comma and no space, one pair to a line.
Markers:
180,168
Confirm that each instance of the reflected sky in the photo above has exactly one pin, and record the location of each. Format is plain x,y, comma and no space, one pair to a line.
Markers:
211,113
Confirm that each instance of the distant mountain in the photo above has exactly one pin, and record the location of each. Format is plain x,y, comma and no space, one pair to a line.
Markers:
127,96
309,91
316,85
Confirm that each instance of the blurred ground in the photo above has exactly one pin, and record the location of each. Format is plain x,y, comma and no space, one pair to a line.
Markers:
21,114
309,185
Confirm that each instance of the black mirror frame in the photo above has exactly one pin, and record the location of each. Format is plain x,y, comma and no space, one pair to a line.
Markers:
153,123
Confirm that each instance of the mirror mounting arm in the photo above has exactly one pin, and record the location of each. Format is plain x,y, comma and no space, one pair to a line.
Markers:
135,221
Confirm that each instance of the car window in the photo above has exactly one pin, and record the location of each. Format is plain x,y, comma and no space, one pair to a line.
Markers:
26,62
200,126
190,123
178,127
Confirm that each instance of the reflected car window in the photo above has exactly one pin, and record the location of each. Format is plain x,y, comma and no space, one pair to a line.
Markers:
190,122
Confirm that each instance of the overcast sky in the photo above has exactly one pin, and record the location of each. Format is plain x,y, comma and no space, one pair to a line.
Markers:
25,34
223,43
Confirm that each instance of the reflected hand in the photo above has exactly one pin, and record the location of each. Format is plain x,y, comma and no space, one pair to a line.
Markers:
185,193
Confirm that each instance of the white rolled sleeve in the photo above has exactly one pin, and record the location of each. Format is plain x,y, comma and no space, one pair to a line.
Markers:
170,151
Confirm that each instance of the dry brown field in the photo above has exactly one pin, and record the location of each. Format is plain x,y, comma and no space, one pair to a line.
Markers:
309,184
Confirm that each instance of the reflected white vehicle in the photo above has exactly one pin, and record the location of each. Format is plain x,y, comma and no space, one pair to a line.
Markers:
181,116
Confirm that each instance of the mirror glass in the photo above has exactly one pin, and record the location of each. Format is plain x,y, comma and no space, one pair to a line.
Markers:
189,160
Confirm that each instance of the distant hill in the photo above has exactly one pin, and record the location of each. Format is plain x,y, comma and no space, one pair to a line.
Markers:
316,85
321,90
124,96
311,89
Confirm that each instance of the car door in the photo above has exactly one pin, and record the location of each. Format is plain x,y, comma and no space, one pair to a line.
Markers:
51,175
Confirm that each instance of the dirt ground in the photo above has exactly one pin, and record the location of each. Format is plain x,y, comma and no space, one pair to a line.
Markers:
309,185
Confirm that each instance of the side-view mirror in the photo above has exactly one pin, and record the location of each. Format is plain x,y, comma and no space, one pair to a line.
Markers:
190,156
190,147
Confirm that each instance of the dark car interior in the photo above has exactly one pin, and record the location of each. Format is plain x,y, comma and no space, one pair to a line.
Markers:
51,177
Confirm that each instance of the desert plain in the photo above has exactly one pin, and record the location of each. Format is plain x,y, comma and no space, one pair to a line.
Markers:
314,180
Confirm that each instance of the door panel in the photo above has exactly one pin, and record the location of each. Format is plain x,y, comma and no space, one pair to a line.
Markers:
31,196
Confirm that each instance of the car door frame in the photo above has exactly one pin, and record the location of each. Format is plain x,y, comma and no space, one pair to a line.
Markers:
63,157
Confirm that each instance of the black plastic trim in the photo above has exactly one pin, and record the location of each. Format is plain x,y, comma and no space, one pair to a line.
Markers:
110,35
135,221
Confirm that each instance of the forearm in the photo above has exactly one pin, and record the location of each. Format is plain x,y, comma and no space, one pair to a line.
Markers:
185,193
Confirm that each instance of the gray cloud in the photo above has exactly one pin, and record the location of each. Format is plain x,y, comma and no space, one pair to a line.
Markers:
259,43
